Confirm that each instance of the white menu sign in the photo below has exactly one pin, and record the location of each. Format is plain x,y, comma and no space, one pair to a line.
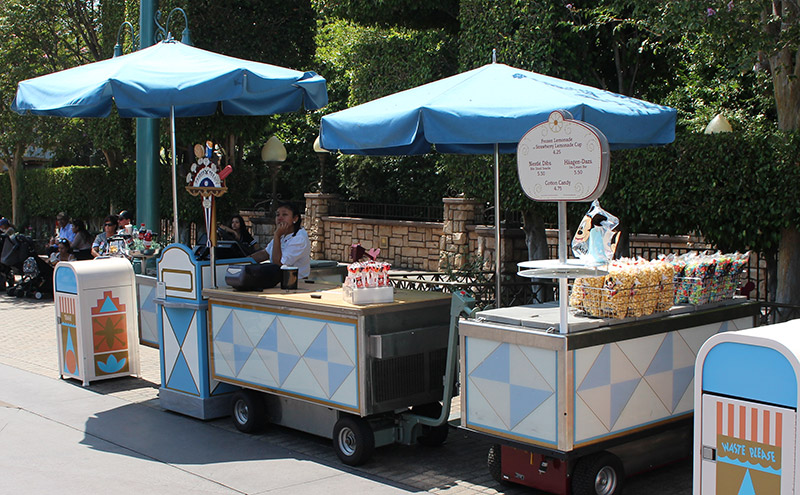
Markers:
563,160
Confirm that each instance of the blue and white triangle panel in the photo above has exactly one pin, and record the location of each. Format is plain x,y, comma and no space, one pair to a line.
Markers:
479,410
170,348
219,315
541,424
337,374
191,350
526,368
347,392
524,401
496,365
318,349
270,360
254,323
599,373
640,351
269,341
498,397
345,335
181,320
477,350
319,369
304,331
301,381
181,379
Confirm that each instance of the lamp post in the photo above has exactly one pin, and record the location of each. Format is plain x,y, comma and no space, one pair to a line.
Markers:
322,153
273,153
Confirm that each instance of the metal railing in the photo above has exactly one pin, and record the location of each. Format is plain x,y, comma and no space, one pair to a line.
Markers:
425,213
515,291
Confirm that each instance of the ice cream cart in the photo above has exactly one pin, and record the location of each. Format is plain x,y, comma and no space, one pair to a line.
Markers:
745,428
573,400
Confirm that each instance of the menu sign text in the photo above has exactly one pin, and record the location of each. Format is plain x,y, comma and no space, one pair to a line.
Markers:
563,160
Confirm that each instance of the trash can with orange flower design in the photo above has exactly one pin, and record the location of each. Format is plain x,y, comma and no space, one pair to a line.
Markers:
96,320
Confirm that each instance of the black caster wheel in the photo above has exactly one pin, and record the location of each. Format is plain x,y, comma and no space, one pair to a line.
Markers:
248,411
598,474
353,440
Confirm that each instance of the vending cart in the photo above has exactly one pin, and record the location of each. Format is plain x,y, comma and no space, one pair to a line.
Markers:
95,304
745,428
576,392
559,404
363,375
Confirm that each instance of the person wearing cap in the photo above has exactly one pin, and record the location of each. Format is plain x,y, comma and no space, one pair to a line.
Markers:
5,226
124,218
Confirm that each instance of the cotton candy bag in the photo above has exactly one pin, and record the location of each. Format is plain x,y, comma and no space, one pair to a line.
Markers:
595,240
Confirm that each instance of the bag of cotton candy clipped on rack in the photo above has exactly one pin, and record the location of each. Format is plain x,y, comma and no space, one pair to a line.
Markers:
595,240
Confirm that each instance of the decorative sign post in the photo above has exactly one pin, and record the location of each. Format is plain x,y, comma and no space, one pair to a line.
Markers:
206,180
562,160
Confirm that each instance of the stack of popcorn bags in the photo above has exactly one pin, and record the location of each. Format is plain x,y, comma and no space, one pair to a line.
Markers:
633,287
638,287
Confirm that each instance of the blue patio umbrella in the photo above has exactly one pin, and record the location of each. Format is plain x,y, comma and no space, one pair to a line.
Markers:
487,111
171,79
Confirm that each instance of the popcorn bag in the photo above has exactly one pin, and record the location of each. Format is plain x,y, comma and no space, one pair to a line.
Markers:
596,239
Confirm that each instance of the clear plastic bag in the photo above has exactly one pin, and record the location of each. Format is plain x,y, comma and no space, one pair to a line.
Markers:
595,241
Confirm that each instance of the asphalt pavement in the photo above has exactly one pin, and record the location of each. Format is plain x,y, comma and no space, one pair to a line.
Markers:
57,436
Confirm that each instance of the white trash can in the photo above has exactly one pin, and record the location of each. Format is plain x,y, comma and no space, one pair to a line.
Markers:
745,424
96,319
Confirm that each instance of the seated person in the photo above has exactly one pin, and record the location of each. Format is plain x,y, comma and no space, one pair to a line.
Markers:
102,246
82,244
289,245
64,253
238,232
5,227
63,231
124,219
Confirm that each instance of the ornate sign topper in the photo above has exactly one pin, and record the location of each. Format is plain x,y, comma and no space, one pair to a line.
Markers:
563,160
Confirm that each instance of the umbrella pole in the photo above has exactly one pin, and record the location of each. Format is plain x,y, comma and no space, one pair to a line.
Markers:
497,257
174,177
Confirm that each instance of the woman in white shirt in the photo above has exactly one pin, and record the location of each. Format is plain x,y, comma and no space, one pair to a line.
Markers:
289,245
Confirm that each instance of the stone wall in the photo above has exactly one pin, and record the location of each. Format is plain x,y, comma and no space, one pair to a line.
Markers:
433,246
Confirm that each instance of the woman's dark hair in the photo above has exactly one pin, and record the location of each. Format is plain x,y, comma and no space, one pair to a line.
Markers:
242,225
78,226
295,213
65,242
112,219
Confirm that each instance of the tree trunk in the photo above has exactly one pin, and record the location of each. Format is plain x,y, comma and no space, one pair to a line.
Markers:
789,267
15,176
536,241
785,69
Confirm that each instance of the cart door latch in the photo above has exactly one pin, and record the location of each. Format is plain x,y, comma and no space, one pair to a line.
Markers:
709,453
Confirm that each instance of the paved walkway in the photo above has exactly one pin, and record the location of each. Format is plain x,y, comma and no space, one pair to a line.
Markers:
56,435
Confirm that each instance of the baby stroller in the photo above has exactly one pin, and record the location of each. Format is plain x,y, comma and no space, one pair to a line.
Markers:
19,254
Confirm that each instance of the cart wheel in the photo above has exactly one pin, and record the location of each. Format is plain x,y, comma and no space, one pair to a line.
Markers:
19,293
598,474
11,291
431,436
493,460
353,440
248,411
37,295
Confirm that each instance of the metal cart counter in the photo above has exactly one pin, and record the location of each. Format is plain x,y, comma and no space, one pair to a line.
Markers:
565,395
311,345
